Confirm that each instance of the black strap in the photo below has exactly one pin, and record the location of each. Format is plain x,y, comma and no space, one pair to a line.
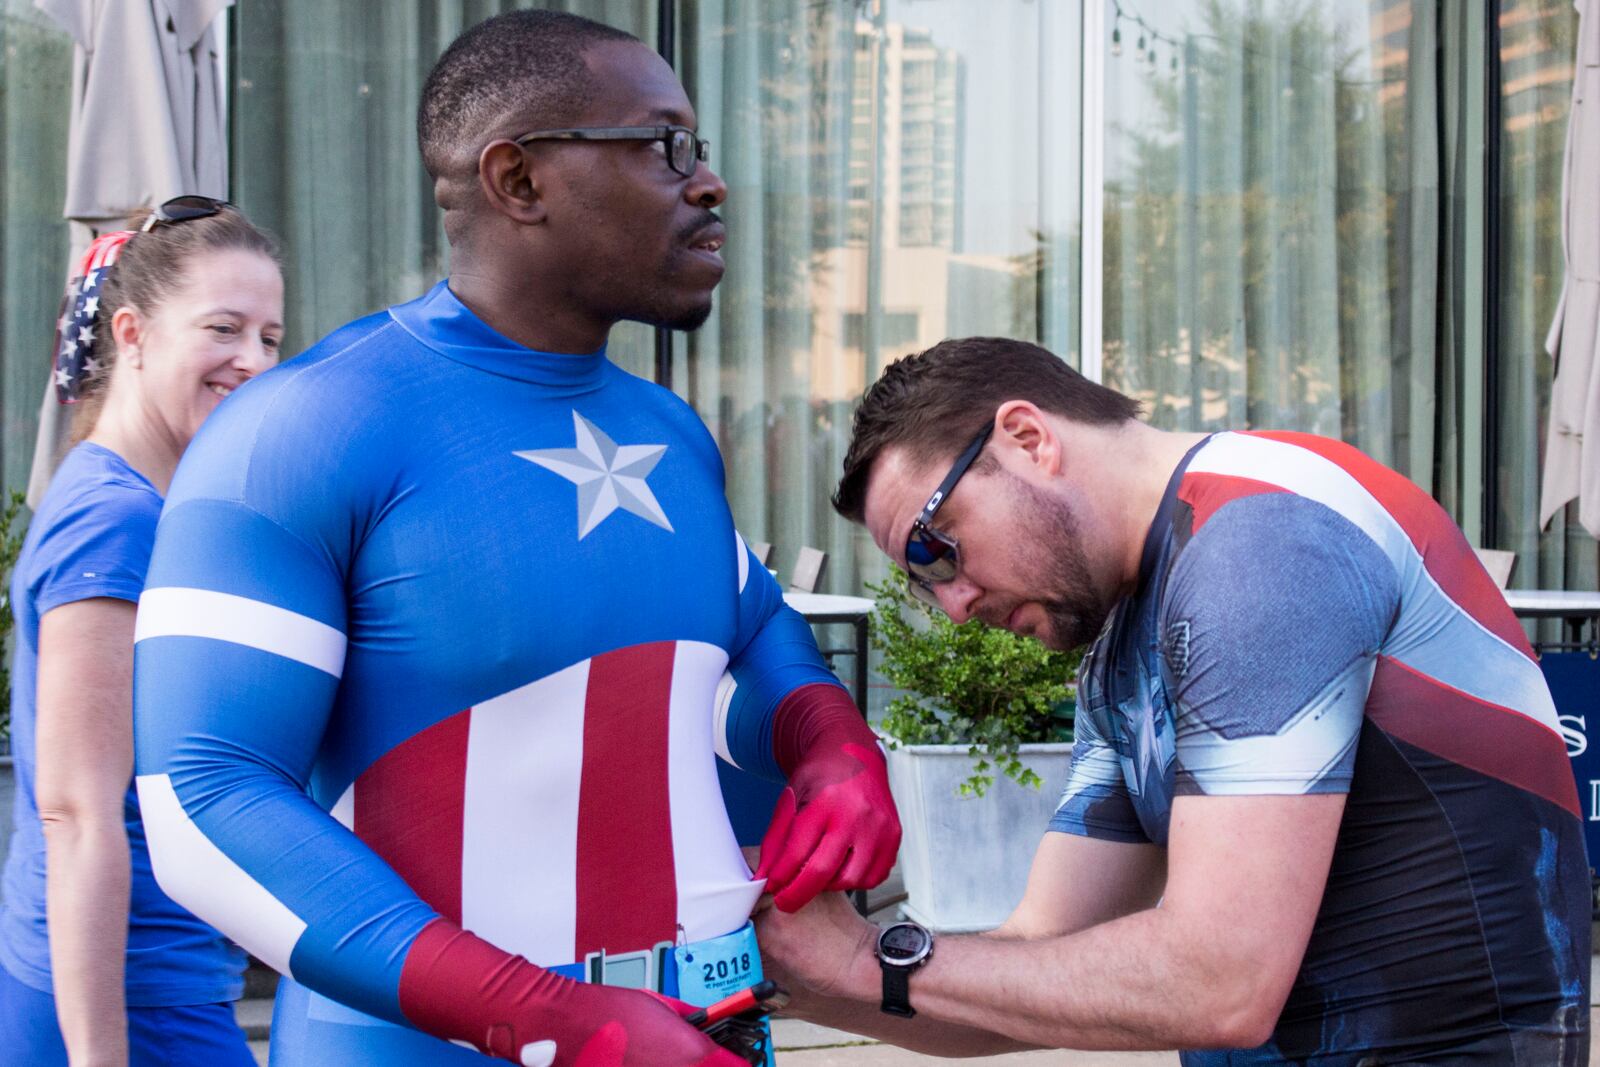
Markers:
897,991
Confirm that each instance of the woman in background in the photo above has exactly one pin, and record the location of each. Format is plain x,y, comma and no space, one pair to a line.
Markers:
97,967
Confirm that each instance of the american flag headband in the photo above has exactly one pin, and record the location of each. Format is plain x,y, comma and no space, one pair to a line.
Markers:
73,359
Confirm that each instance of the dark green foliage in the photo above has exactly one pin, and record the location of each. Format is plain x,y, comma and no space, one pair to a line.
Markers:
969,684
11,534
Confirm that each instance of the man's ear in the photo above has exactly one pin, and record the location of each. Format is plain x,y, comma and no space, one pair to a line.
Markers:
127,330
506,177
1024,434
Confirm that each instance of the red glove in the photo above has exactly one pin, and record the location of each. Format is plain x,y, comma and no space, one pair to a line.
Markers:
459,987
835,826
609,1046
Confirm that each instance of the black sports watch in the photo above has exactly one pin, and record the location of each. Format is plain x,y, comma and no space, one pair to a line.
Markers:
902,948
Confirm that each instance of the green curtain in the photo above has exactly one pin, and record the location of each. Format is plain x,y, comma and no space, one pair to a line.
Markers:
1295,237
35,107
772,88
324,98
1538,46
1273,217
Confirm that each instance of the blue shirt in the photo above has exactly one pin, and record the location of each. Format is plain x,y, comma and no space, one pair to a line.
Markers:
92,537
1308,621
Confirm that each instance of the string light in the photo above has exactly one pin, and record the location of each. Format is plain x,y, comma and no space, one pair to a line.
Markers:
1149,36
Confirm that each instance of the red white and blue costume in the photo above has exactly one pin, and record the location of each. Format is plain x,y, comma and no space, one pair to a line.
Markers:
1309,621
445,634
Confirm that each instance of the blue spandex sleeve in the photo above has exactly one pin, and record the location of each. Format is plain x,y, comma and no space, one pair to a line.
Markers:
236,669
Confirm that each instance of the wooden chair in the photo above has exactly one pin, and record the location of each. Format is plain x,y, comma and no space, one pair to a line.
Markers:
762,550
808,568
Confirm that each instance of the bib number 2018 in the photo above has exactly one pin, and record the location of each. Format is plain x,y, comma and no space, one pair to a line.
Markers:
722,970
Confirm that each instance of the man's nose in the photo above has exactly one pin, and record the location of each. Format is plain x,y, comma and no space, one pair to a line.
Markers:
706,188
958,597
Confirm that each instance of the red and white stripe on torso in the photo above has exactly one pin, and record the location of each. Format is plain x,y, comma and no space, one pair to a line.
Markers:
577,813
1456,675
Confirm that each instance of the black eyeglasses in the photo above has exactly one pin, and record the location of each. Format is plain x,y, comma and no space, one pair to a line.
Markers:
684,150
933,556
182,209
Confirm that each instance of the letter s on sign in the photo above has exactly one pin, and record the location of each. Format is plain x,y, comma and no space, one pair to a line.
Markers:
1573,729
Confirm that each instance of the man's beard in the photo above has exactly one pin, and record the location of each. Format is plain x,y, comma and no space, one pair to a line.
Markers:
667,307
666,304
1076,611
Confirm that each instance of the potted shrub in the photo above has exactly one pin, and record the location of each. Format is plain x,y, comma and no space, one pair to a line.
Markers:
979,746
11,534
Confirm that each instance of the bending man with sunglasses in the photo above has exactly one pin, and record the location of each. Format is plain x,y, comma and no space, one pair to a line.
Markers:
448,622
1319,812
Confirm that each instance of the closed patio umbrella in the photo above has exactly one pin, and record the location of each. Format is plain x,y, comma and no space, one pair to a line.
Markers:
1572,442
147,125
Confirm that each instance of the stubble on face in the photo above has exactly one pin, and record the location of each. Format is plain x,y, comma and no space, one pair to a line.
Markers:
666,303
1075,609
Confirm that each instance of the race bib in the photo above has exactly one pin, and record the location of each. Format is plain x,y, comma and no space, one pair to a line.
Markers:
711,970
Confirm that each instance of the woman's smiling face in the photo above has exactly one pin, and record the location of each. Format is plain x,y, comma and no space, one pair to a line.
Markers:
219,328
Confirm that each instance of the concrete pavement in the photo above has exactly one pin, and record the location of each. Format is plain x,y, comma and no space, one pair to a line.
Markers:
803,1044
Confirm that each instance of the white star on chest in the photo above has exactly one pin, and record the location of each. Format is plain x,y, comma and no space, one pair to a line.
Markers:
608,475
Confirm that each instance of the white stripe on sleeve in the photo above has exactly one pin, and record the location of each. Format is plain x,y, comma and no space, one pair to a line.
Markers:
193,871
174,611
721,704
743,552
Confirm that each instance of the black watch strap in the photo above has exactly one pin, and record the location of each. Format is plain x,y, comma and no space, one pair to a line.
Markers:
897,991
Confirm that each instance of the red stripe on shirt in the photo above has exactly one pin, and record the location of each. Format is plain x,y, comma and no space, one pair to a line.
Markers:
1205,493
1504,744
627,894
1445,552
409,808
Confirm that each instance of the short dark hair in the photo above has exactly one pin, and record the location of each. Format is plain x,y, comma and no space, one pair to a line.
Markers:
934,402
528,61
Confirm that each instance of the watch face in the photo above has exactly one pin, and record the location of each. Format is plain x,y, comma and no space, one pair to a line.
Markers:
904,943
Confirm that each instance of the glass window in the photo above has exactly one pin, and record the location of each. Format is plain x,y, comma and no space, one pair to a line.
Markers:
1273,219
1538,43
899,171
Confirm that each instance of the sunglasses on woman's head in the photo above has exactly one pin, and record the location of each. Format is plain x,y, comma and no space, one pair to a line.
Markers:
933,556
183,209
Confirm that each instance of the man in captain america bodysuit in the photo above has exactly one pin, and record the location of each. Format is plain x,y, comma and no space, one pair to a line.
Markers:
437,740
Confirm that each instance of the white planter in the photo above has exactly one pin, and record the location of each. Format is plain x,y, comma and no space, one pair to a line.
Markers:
965,860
